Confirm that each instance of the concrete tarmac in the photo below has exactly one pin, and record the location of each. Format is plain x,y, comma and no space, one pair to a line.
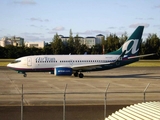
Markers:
125,86
85,97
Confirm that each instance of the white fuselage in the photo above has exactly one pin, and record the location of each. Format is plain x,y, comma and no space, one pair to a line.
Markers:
52,61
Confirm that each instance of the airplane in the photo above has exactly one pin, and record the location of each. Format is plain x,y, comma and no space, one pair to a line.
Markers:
60,65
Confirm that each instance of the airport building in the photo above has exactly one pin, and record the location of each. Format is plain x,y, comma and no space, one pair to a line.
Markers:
18,41
89,41
35,44
65,39
15,41
99,38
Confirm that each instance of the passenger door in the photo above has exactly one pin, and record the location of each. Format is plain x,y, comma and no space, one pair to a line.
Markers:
29,61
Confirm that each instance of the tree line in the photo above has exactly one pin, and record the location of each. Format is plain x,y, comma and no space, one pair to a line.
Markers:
111,43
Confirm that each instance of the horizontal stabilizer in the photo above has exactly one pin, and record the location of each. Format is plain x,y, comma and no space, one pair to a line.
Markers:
132,57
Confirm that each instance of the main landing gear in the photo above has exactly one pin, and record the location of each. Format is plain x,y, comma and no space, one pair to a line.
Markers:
24,75
80,75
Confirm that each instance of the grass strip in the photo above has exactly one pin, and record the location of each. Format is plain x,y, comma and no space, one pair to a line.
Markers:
145,63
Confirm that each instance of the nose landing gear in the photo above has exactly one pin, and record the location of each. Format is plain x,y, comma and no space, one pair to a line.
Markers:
24,73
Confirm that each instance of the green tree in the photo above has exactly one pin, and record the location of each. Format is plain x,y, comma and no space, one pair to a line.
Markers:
112,42
47,50
27,51
20,51
97,49
57,45
152,45
36,51
2,52
84,49
77,45
71,44
123,38
142,49
11,51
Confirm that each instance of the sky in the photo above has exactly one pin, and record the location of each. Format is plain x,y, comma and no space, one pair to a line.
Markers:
40,20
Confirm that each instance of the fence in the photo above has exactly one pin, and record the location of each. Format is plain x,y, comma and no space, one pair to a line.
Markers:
105,98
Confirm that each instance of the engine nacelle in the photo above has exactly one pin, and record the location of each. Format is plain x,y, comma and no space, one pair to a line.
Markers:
60,71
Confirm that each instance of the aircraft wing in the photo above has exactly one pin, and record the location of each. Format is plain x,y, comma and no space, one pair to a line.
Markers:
96,65
99,65
90,66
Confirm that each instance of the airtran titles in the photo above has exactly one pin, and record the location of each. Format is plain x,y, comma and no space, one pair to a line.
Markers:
45,59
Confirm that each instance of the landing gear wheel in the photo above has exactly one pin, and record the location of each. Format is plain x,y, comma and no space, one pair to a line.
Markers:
81,75
24,75
76,74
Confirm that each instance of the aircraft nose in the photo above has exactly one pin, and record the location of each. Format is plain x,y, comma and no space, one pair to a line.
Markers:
8,65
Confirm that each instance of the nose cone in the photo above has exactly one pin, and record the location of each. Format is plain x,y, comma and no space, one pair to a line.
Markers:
9,65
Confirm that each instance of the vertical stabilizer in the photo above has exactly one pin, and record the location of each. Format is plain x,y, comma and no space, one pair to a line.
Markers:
132,44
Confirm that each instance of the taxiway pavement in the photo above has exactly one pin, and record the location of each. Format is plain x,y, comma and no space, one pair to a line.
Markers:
125,86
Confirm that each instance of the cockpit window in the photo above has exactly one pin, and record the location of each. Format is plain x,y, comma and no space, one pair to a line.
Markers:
16,61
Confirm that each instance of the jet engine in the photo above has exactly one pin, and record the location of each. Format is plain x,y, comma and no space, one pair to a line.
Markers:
60,71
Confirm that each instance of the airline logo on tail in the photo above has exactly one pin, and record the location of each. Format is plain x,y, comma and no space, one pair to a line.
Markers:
131,46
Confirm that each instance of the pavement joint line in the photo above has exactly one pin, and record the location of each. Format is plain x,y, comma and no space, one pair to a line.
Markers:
17,88
89,85
123,81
